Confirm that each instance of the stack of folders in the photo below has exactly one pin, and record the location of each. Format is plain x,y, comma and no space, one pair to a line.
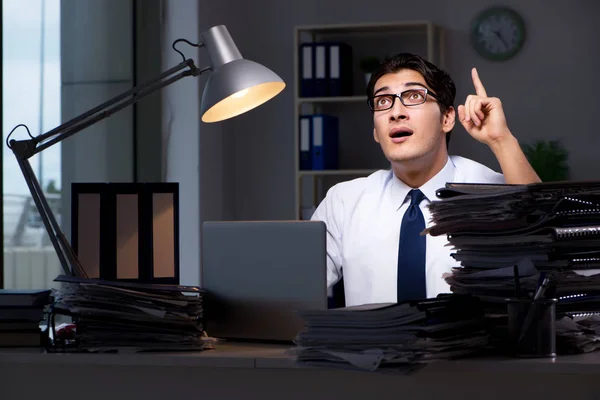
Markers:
507,238
325,69
397,337
124,316
21,313
318,142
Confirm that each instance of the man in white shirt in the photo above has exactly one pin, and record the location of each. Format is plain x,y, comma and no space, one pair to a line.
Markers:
372,224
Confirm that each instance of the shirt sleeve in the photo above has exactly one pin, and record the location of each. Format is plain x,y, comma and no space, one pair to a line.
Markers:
330,211
495,177
473,172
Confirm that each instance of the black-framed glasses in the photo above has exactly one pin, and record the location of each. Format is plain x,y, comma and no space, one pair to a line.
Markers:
410,97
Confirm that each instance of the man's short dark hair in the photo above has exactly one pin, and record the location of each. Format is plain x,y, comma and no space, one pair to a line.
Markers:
437,79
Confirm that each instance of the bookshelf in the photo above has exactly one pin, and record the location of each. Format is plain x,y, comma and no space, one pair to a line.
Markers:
359,155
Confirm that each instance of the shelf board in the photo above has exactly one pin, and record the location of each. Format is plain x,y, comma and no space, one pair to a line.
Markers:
402,26
339,172
336,99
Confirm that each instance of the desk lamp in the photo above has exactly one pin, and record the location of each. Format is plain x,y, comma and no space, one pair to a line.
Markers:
236,85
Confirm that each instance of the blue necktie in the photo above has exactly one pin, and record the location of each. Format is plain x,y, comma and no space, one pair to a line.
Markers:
411,251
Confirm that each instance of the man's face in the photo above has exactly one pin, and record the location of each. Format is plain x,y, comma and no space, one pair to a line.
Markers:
410,133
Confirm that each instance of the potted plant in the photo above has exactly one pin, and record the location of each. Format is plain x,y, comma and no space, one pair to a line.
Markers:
549,159
368,64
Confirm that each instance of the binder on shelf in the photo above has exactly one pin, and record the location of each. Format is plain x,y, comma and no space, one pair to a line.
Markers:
305,138
325,69
321,70
307,70
324,142
340,69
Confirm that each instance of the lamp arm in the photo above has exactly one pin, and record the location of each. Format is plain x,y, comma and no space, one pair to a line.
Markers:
139,94
96,114
66,255
25,149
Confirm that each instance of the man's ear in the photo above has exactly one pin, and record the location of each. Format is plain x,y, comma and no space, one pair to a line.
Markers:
375,135
448,119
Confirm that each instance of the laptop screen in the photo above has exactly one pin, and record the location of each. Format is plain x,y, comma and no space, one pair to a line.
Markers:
258,274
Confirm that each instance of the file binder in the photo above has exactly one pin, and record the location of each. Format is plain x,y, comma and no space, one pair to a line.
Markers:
325,69
307,70
305,142
321,76
340,69
324,142
576,232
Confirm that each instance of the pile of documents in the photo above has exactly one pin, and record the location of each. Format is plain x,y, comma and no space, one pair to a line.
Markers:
122,316
579,333
21,313
400,337
508,237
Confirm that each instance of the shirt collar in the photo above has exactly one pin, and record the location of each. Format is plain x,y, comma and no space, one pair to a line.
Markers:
400,189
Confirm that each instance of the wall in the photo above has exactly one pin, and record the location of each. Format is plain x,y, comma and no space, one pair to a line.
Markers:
180,132
149,160
195,154
547,90
96,65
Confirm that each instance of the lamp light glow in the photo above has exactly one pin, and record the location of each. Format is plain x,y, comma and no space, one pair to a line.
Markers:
242,101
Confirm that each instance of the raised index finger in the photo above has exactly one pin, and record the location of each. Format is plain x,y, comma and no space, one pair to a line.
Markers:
479,89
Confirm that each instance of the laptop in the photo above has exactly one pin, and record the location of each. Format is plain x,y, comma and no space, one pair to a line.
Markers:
258,274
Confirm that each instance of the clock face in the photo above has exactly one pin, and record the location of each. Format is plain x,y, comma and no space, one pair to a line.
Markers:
498,33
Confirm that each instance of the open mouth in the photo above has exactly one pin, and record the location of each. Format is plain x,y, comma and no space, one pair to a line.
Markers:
400,133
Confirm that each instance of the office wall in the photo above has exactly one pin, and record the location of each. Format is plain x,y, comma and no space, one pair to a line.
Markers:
548,90
180,131
147,113
194,153
96,65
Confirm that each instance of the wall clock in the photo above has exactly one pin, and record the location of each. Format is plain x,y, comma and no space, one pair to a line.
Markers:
498,33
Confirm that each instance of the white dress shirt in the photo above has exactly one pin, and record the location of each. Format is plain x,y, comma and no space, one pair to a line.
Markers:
363,218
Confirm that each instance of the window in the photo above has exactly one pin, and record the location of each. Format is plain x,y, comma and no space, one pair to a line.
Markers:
31,95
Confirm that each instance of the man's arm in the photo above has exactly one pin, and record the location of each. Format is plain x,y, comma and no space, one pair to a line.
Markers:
328,212
515,166
484,119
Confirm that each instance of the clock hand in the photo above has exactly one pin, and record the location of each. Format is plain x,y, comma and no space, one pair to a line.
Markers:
500,37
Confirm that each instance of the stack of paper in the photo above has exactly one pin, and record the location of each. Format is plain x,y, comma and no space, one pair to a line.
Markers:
111,315
506,236
392,336
21,313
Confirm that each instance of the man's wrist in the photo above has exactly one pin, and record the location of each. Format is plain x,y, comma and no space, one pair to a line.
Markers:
506,142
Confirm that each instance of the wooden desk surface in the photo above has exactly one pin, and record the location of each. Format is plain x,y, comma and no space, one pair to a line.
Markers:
245,355
240,370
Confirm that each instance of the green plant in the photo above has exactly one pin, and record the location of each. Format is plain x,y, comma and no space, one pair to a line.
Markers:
549,158
369,64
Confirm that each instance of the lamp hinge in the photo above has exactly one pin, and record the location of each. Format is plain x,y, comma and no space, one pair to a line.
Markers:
23,149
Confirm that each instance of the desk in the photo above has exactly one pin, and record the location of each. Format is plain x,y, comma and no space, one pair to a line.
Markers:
249,371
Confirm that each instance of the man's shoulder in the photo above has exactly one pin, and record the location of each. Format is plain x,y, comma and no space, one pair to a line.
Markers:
471,171
376,180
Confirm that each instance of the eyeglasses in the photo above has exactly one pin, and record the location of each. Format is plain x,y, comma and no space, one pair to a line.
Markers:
411,97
